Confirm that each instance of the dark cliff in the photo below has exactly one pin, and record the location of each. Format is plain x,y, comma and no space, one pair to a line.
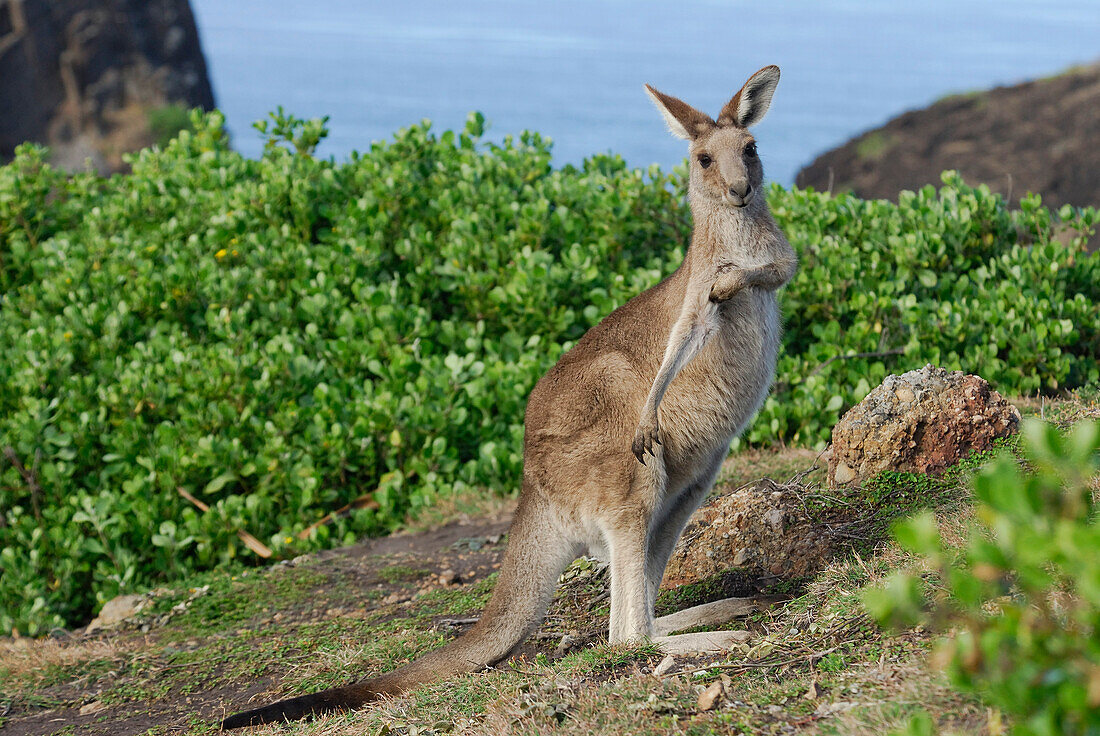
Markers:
86,77
1041,136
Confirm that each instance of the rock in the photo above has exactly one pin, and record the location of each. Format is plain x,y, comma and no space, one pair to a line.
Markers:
115,611
814,692
708,699
83,76
91,708
1001,137
664,666
923,421
761,526
567,642
449,577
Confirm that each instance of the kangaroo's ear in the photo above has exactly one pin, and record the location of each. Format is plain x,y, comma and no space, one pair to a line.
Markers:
682,119
751,103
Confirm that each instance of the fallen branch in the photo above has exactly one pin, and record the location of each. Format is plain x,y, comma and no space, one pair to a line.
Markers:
363,502
249,541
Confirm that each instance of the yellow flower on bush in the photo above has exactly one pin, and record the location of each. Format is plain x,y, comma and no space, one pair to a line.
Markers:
220,254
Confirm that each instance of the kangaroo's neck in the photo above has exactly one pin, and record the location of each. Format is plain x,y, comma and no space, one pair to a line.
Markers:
726,234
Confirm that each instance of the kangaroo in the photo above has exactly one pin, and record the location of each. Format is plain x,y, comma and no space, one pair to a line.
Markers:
626,434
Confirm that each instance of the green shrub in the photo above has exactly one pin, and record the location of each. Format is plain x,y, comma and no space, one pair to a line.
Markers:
281,336
1023,595
165,123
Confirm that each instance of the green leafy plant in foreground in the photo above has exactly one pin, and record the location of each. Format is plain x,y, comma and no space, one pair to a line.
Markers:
282,336
1023,595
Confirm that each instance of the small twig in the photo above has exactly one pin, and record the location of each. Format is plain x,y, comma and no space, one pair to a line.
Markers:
763,665
249,541
598,599
365,501
881,354
30,477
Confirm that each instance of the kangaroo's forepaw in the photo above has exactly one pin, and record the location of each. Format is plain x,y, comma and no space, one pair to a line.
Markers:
646,438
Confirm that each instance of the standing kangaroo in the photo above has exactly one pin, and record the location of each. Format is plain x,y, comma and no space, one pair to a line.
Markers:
625,435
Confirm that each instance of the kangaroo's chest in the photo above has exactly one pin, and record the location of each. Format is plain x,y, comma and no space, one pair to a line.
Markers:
717,393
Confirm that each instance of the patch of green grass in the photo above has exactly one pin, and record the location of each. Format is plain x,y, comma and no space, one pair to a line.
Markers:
874,145
605,659
218,601
402,574
970,94
454,601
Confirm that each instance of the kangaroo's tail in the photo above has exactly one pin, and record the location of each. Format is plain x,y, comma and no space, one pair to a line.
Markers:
536,555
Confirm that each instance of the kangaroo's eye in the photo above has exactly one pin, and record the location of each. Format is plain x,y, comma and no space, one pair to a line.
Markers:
704,160
750,150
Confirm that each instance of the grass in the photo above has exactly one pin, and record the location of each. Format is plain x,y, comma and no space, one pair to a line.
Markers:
874,145
815,663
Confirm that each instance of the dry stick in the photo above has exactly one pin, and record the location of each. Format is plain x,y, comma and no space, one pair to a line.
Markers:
249,541
761,665
29,476
363,502
882,354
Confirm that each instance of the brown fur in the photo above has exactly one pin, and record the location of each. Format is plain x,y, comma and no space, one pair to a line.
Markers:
625,435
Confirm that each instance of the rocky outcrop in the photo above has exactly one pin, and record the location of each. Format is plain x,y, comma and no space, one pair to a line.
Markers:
83,76
1041,136
922,421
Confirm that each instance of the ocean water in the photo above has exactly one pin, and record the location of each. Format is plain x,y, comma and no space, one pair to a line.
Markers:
573,69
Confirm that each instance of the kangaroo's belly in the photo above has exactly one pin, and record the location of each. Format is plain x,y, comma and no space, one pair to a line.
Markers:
717,393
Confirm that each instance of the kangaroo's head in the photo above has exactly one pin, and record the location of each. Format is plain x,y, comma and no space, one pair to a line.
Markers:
722,156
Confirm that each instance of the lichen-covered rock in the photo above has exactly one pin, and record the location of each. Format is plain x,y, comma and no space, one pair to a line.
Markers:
763,527
923,421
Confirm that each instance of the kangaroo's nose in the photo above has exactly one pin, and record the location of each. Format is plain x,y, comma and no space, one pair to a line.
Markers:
741,190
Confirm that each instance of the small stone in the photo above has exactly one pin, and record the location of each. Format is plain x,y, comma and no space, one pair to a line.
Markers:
115,611
843,473
664,666
564,645
93,707
814,692
449,577
741,557
905,394
708,699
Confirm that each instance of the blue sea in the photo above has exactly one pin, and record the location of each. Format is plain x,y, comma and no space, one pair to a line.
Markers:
573,69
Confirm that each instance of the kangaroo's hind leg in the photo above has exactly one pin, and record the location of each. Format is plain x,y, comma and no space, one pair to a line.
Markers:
628,535
666,531
664,537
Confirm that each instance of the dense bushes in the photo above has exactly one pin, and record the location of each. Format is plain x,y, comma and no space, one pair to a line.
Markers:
281,336
1022,596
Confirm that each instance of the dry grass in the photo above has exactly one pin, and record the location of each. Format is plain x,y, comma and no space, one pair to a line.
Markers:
32,661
